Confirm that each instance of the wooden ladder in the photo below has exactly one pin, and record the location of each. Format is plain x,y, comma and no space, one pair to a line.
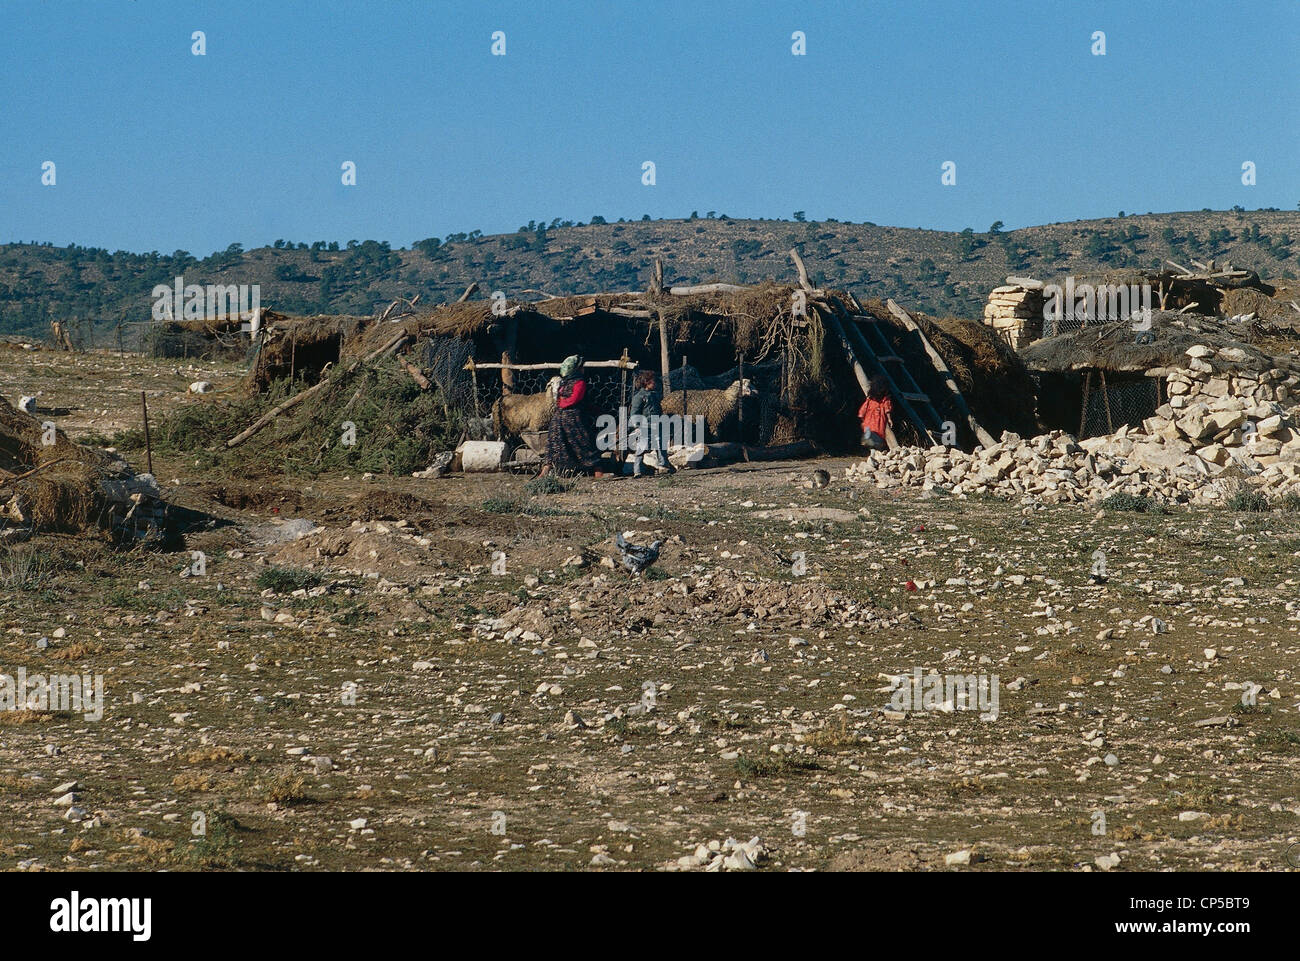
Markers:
873,351
941,368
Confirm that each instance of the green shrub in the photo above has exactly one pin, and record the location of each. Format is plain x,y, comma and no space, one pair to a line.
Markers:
286,580
1247,499
1137,504
550,484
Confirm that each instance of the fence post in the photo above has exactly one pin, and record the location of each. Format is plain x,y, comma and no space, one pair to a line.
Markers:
622,370
1083,415
686,407
148,442
740,407
1105,399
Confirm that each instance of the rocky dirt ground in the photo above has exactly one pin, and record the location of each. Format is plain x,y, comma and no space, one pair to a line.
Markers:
355,684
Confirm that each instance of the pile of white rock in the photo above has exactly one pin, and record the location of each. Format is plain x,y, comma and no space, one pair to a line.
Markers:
728,855
1231,419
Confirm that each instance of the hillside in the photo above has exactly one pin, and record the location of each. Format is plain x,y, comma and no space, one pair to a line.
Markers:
935,271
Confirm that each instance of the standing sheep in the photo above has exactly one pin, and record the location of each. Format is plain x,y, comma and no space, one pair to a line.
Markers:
514,414
717,406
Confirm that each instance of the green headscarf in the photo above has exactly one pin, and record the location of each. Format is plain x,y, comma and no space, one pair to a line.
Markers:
570,365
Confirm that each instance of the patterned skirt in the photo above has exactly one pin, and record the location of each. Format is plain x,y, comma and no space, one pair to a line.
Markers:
571,443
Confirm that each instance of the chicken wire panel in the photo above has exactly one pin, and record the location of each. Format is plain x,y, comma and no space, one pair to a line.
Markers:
445,359
765,375
1129,402
605,387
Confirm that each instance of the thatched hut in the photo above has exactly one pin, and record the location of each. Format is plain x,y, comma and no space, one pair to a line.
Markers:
804,352
299,348
1094,380
776,334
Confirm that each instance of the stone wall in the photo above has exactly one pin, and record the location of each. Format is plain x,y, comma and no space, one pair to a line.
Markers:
1015,311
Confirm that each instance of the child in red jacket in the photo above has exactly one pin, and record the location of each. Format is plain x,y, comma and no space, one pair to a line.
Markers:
876,414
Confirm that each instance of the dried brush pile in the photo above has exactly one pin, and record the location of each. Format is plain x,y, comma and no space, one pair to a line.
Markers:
49,483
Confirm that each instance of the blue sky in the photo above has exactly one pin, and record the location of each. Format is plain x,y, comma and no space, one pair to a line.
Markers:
159,149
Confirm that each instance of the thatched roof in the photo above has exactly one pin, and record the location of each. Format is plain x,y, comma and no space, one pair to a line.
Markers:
746,315
300,345
1116,346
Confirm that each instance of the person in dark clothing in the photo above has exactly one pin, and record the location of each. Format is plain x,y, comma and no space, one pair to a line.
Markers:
571,438
647,403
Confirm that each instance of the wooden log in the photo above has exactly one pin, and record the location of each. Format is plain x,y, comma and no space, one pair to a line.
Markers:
419,378
298,398
508,355
708,289
792,451
863,380
272,414
981,435
803,273
469,292
832,321
630,365
740,407
148,444
663,350
657,279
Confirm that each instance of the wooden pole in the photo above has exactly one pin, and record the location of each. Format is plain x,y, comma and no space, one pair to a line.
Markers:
621,453
300,397
803,273
663,350
508,355
1105,400
1087,390
148,443
740,409
686,407
981,435
622,373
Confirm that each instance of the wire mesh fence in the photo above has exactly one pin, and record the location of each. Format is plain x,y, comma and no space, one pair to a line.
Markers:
608,388
444,360
1110,403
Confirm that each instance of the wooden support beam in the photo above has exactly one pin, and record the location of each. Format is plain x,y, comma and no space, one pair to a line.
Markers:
389,347
630,365
663,351
657,279
803,273
709,289
981,435
421,381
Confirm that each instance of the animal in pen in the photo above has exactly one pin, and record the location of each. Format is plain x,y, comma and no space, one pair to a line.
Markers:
515,414
719,407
